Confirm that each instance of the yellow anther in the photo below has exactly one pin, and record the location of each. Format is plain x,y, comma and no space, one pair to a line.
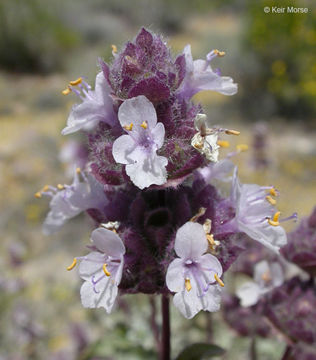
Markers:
275,220
200,213
198,145
66,91
242,147
74,263
219,53
46,188
187,284
218,280
207,226
60,187
144,125
210,240
75,82
270,200
128,127
38,195
78,170
114,48
232,132
273,192
266,277
223,143
105,270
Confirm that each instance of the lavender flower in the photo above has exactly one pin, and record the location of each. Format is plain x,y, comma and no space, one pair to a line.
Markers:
255,214
96,105
200,76
291,309
266,277
102,270
161,228
301,247
70,200
138,149
190,276
247,321
217,171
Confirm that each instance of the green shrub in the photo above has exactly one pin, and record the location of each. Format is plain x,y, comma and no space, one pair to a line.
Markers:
280,60
32,38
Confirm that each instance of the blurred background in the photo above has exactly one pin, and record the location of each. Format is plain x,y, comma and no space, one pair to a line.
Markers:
43,45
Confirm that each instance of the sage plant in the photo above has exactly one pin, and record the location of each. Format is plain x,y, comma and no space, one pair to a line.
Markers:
161,226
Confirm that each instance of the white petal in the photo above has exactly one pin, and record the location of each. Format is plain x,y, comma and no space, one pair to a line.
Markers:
91,265
158,134
104,298
103,90
188,59
122,148
175,276
206,79
148,170
277,274
218,171
117,276
53,222
236,188
190,241
261,268
136,111
189,304
273,237
212,299
108,242
210,266
96,107
249,294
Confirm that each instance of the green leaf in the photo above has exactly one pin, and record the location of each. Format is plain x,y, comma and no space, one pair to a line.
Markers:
200,351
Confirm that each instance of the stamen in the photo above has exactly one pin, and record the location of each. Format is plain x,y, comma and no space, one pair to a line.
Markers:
293,216
105,270
232,132
273,192
207,226
210,239
46,188
223,143
74,263
218,280
266,276
188,285
114,48
219,53
67,91
60,187
38,195
198,145
200,213
275,219
78,170
144,125
242,147
270,200
76,82
128,127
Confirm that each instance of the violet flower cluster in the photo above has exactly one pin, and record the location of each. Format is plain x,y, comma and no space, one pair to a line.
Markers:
161,226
